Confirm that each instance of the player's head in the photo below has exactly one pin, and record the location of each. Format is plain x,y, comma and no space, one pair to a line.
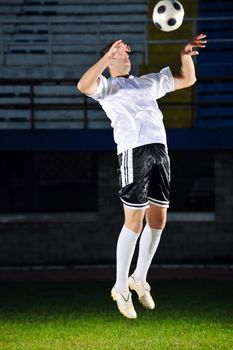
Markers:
121,64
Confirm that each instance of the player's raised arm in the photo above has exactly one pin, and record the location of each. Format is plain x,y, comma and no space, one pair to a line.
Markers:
187,76
89,81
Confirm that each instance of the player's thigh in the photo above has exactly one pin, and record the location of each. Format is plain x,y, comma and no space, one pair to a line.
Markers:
156,216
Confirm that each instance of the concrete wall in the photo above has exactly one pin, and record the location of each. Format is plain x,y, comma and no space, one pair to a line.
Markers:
90,238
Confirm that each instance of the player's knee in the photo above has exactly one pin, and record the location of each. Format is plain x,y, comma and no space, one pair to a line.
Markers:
161,224
134,219
158,223
134,225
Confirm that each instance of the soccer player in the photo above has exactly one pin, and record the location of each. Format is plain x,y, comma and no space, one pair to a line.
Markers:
144,167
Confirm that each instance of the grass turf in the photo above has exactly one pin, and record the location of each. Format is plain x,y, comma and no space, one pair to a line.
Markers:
80,315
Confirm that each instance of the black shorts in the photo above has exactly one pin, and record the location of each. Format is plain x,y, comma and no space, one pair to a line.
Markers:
144,176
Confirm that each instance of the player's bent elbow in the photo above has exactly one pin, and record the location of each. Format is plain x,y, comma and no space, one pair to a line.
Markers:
193,81
190,82
184,83
80,87
86,90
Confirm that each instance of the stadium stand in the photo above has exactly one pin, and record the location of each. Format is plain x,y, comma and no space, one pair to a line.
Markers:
208,103
69,33
48,44
215,66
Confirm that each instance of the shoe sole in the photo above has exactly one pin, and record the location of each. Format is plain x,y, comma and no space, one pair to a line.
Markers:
145,306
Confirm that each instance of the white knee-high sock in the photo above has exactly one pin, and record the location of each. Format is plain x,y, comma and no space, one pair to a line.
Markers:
125,248
149,242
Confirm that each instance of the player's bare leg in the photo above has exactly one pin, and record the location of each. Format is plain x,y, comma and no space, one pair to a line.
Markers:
156,217
134,219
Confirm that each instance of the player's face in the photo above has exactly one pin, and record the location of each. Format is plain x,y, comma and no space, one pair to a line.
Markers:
122,59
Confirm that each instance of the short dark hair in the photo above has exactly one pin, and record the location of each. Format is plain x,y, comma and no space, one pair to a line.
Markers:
106,48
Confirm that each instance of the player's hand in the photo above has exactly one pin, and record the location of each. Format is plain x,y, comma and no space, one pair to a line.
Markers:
113,50
197,41
117,50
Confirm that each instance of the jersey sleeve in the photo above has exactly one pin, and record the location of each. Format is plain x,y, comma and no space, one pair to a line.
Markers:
101,90
163,82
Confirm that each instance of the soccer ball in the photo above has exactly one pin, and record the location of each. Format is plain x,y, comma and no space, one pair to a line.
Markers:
168,15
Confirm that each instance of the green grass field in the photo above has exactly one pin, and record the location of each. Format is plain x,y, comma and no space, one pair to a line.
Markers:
80,315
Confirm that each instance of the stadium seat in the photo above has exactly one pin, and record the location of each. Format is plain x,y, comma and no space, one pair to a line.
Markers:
215,67
46,38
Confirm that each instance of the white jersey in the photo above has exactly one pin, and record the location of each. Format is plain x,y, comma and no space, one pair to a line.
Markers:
130,104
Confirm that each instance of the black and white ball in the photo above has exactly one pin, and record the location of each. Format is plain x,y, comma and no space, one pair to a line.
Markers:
168,15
